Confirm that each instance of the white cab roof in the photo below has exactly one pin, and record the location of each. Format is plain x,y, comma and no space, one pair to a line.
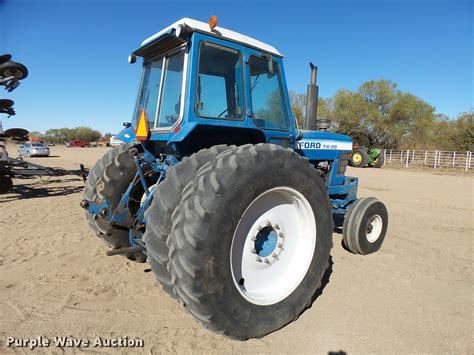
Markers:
217,32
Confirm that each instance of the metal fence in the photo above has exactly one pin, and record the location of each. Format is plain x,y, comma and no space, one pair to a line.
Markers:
431,158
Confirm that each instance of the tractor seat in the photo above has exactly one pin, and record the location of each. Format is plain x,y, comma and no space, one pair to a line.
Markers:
5,58
17,134
5,104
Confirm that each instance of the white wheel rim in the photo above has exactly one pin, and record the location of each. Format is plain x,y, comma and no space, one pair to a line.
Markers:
266,273
374,228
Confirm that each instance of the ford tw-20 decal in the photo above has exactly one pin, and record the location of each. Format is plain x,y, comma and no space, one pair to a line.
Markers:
325,144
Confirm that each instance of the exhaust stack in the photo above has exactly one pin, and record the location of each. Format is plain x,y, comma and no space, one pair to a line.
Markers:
312,100
312,123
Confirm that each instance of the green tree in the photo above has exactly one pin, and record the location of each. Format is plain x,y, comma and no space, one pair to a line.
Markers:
60,135
378,114
455,134
298,107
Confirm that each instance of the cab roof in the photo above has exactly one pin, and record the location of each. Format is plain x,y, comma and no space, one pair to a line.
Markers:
218,32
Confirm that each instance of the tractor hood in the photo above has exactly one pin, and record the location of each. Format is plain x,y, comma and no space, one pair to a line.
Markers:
314,140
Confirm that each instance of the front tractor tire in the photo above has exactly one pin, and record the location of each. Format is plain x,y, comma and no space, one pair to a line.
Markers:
365,226
359,158
379,161
108,179
250,240
166,197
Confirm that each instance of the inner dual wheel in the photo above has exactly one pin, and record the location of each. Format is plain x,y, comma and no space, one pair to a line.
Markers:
108,179
249,242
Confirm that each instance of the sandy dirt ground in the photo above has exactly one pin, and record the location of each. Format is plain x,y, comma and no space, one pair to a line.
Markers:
414,296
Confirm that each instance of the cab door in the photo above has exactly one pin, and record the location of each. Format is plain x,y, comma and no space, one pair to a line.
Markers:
268,106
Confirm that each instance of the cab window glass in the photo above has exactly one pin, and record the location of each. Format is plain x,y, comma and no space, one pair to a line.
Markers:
268,98
219,92
150,88
171,96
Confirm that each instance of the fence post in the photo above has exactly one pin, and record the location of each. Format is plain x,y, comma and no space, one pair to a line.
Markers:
426,156
468,155
390,155
408,157
401,156
454,158
435,159
413,157
384,155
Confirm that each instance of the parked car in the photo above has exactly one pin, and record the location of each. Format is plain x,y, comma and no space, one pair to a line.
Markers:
114,141
76,143
33,150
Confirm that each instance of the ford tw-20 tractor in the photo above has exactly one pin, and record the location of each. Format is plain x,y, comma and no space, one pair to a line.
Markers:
219,190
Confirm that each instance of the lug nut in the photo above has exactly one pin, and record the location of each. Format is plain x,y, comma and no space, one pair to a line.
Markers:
259,228
103,212
253,251
269,224
280,234
274,255
280,245
254,238
276,226
266,261
84,204
259,259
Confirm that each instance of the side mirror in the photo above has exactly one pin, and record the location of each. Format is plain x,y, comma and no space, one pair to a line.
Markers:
270,65
132,58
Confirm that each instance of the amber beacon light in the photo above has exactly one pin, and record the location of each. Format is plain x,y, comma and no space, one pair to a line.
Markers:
213,22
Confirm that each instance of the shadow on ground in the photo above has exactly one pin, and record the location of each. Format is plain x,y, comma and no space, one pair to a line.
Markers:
40,189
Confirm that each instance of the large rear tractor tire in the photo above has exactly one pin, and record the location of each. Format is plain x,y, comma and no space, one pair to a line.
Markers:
365,226
250,240
166,197
359,158
108,179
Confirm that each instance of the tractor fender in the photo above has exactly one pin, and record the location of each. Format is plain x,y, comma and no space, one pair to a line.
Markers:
126,135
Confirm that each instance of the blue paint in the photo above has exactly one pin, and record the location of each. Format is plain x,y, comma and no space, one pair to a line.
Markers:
266,242
126,135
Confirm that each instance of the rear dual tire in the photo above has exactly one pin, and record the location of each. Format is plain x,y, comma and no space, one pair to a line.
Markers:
210,248
109,179
166,197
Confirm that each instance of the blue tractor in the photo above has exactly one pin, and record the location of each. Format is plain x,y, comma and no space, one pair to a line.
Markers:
218,189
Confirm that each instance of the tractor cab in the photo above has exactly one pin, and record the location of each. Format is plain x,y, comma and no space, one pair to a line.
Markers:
213,86
203,86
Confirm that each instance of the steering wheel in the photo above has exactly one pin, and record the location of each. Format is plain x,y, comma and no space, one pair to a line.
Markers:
220,115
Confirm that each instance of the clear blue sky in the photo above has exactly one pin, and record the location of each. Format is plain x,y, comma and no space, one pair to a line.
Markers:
76,50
